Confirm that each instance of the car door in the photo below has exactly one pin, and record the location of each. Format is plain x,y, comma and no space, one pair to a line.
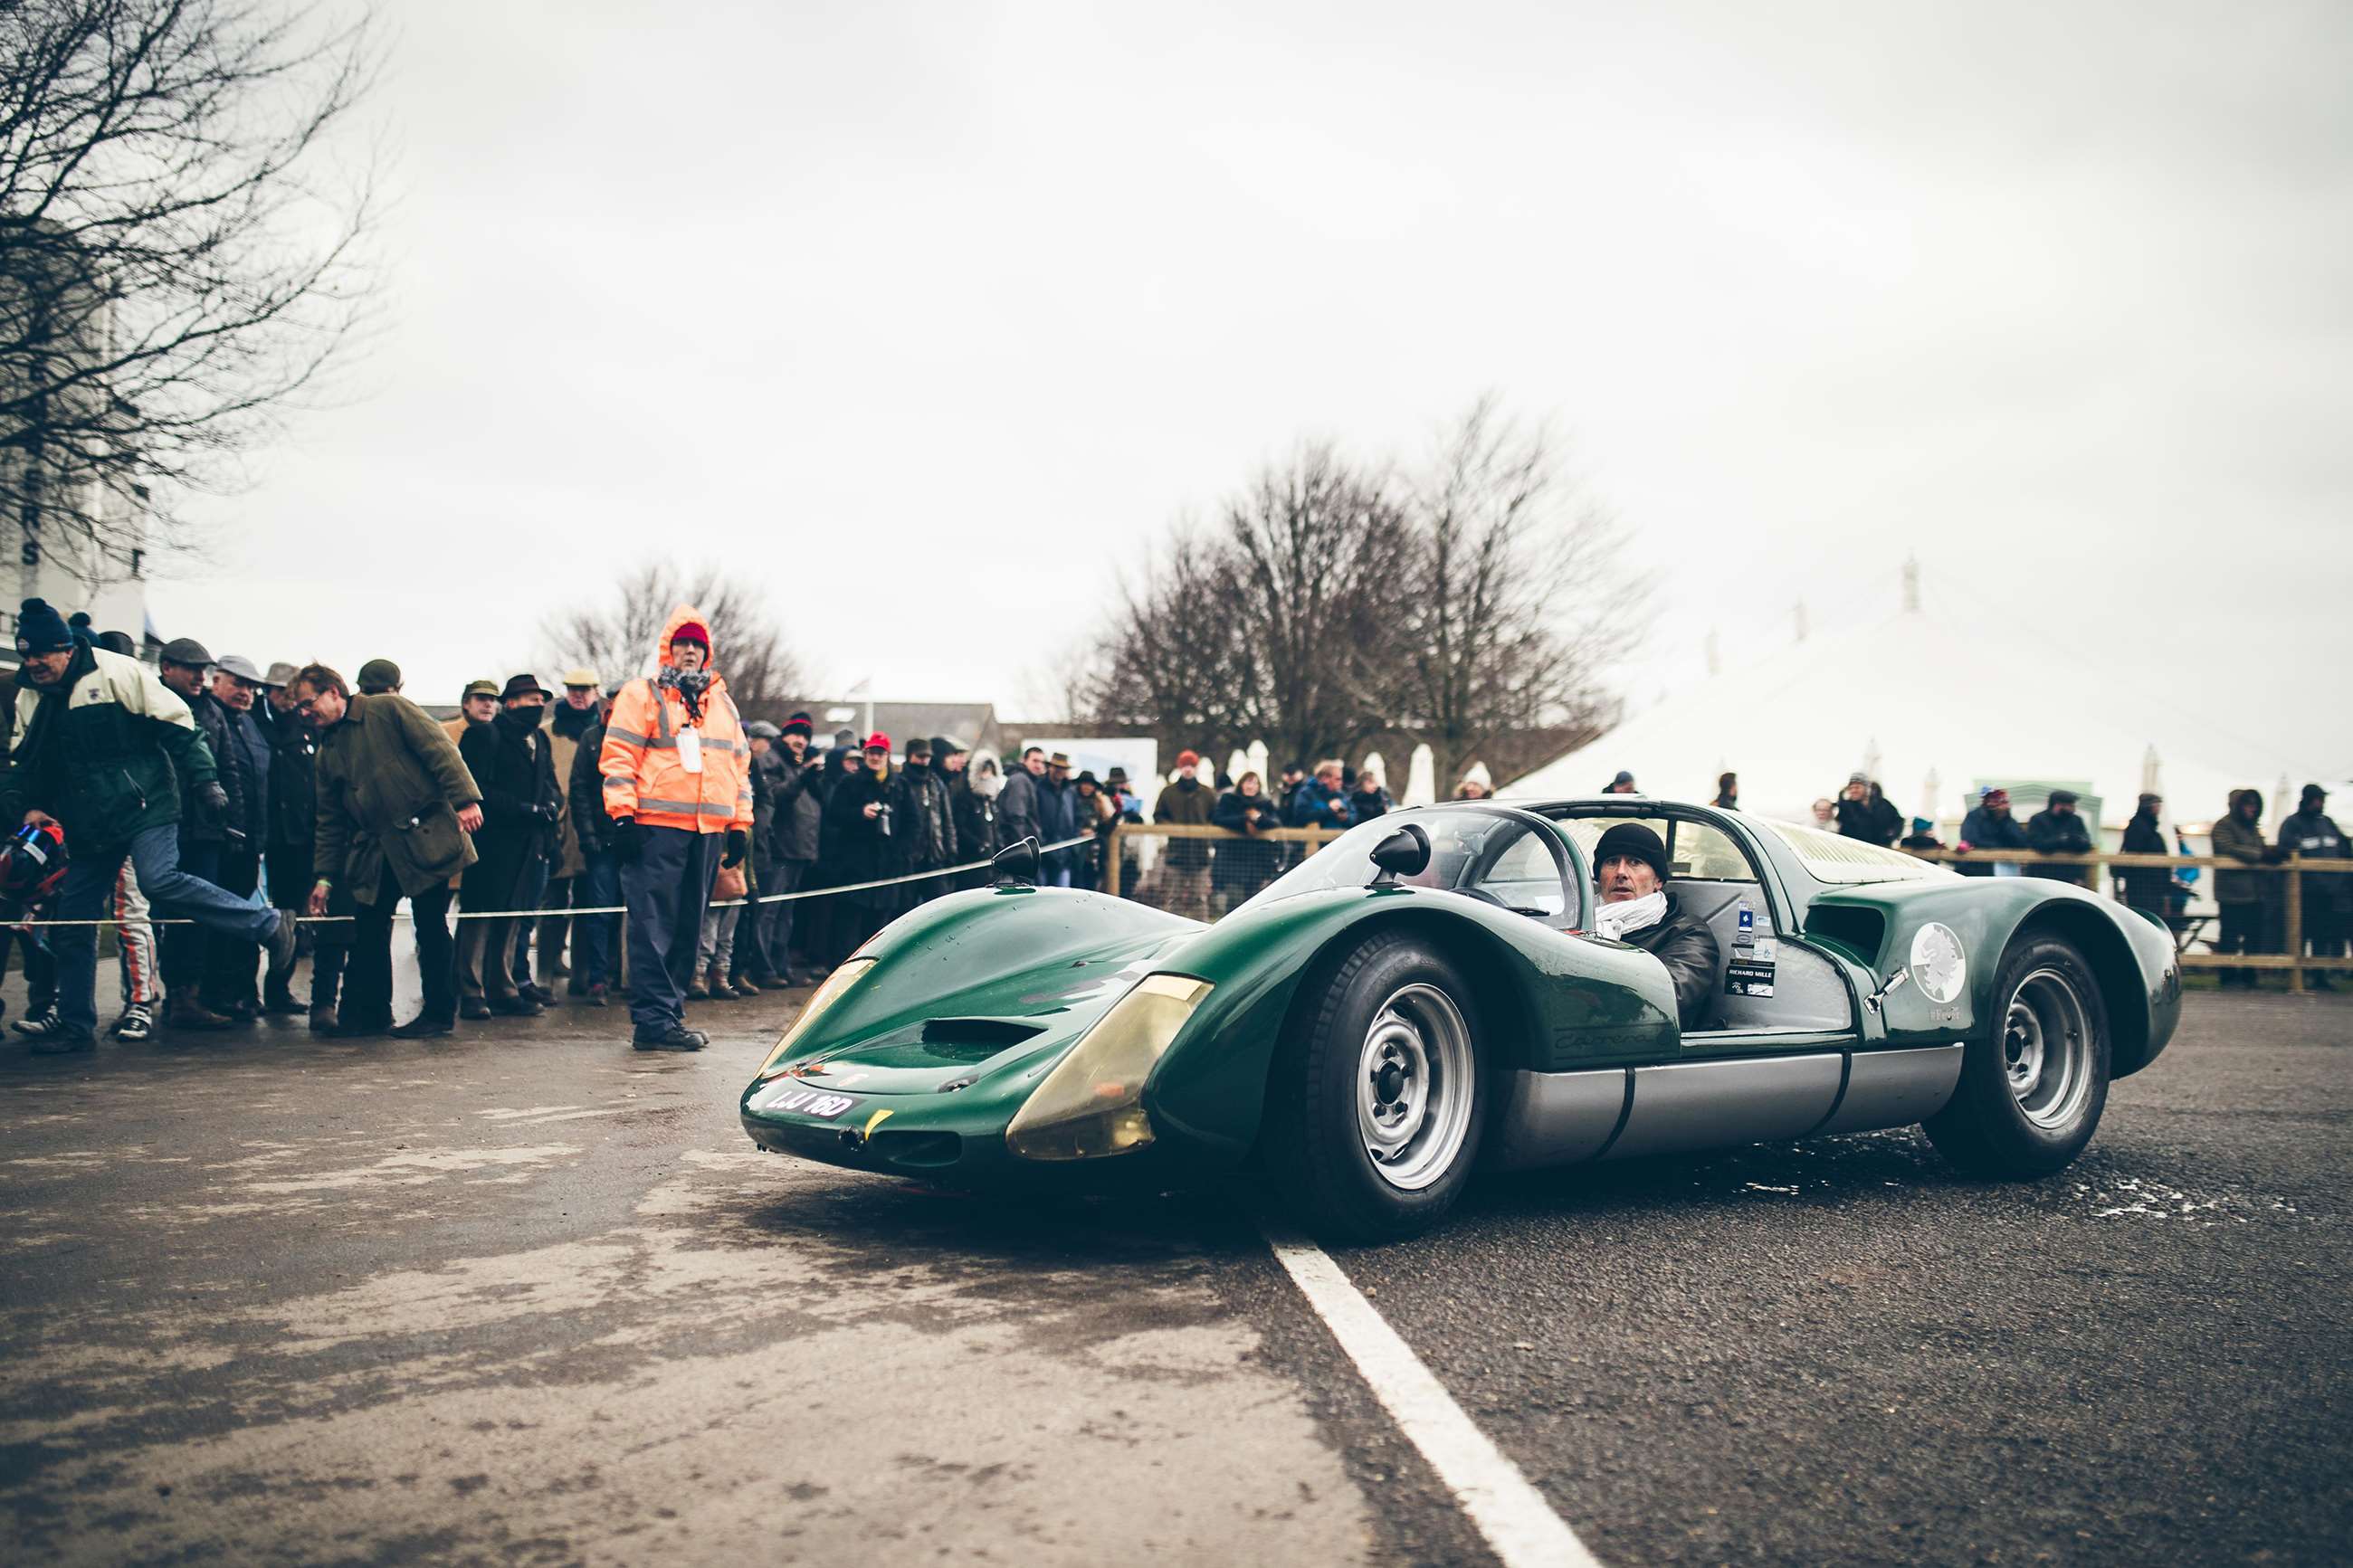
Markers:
1771,1063
1776,992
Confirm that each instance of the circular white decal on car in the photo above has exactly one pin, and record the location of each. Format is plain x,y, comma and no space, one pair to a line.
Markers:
1938,966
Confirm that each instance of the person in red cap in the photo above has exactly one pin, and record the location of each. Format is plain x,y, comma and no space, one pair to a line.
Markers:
1189,802
674,761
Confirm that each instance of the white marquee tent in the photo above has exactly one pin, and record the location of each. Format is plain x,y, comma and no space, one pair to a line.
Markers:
1927,708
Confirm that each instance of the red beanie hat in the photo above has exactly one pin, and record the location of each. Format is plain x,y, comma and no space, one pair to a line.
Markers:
1188,759
693,631
876,742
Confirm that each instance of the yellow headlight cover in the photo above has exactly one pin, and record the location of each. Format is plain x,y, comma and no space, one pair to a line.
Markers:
1092,1104
825,997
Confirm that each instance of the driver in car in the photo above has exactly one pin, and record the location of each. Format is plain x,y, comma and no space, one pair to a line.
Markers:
1630,869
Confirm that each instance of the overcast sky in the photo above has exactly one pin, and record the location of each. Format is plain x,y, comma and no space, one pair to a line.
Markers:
929,318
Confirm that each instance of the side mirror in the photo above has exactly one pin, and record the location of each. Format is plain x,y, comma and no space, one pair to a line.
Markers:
1016,865
1402,854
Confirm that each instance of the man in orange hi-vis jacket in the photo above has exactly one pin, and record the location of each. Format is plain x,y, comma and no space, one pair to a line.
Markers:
678,788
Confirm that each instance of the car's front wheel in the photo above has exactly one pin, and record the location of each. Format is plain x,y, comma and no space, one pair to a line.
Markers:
1376,1104
2032,1088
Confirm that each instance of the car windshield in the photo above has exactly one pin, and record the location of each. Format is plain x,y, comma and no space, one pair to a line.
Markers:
1493,856
1828,857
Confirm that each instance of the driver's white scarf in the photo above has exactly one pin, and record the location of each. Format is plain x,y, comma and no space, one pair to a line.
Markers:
1614,920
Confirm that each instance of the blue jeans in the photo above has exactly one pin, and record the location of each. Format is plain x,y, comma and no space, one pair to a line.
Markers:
40,961
181,961
88,886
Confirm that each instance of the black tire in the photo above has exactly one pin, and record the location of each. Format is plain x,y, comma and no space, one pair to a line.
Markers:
1316,1143
1986,1128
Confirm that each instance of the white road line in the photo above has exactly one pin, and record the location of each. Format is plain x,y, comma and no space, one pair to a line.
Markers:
1513,1515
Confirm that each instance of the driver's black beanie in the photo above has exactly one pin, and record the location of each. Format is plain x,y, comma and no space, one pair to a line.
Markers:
1633,839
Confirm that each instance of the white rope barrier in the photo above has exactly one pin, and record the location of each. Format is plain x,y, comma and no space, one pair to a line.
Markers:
600,909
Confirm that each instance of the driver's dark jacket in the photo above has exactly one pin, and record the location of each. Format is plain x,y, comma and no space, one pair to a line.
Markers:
1684,944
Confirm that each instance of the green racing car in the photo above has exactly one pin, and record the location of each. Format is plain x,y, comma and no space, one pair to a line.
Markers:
1424,997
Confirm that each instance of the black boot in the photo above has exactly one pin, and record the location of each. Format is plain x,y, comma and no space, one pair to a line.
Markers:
675,1037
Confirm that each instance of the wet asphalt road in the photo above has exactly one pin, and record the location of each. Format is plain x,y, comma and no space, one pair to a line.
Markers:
528,1296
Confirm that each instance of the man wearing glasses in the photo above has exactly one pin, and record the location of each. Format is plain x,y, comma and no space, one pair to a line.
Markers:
397,813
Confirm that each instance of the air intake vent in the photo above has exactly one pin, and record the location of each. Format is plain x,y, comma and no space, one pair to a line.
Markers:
916,1151
1859,931
994,1033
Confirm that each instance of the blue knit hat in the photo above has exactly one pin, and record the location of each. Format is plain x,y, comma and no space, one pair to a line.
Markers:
40,629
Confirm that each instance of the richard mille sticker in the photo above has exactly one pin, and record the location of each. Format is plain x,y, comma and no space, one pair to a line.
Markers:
1746,977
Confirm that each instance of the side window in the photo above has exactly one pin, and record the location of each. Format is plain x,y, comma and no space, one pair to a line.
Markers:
1527,878
1707,853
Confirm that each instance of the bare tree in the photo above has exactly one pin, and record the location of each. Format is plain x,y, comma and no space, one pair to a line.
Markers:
1278,623
1171,660
181,252
1476,605
1520,593
616,639
1320,555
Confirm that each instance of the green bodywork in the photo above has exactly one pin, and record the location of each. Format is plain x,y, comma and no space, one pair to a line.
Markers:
939,1034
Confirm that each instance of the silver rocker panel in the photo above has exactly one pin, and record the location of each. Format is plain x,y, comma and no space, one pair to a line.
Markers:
1713,1105
1557,1117
1896,1089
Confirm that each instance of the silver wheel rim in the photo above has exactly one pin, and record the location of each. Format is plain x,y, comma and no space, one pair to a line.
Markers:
2046,1049
1414,1087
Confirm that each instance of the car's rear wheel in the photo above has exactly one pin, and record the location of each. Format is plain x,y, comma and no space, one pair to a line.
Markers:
1376,1104
2032,1086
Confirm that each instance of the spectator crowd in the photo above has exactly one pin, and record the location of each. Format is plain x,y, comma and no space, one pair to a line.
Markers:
201,808
2250,906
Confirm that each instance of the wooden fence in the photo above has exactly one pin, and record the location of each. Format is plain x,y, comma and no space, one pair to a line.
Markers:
2287,899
